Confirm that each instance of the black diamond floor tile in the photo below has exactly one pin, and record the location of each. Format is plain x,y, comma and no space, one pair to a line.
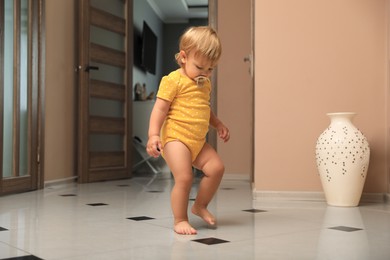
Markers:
155,191
68,195
254,210
26,257
346,229
97,204
227,188
3,229
140,218
123,185
210,241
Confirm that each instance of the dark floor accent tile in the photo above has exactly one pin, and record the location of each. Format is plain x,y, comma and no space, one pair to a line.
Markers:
26,257
155,191
346,229
210,241
254,210
227,188
140,218
192,199
123,185
3,229
97,204
68,195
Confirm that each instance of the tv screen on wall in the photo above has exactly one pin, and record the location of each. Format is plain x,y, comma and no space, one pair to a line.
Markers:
149,49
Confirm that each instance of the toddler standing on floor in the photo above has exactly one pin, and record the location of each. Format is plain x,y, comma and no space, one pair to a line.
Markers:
179,123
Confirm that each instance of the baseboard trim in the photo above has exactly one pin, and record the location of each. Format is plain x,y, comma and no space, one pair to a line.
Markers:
314,196
387,198
237,176
288,195
63,181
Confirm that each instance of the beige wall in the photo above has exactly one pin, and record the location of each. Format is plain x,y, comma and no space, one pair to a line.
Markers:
60,96
314,57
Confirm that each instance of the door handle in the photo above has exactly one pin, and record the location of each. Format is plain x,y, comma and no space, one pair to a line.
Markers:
88,68
249,59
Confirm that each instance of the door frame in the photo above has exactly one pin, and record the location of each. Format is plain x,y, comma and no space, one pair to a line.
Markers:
213,22
212,136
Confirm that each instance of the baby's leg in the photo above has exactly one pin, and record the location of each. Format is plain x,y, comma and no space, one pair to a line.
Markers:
212,166
178,158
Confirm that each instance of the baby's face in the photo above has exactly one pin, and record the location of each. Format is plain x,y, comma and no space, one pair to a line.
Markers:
197,67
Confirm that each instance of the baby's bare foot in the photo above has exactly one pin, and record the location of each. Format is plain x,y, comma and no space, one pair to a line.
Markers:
184,228
204,214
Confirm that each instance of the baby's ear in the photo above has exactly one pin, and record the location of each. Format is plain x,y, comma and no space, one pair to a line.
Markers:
183,56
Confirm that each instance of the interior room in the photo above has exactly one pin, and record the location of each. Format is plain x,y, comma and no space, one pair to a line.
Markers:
72,186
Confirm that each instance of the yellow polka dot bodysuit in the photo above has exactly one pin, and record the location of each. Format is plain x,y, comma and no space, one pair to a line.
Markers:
189,114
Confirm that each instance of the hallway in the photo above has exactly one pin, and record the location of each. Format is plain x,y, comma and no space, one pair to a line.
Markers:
131,219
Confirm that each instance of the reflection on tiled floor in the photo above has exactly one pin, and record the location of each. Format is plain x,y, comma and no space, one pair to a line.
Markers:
131,219
26,257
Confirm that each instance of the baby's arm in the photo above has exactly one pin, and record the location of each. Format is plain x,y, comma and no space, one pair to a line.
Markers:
223,131
157,117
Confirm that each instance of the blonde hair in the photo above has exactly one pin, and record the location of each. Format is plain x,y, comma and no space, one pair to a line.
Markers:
202,40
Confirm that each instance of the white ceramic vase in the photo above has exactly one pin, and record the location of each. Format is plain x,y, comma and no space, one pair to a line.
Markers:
342,156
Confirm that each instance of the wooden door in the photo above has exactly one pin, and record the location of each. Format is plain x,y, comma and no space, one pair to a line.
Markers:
105,83
21,88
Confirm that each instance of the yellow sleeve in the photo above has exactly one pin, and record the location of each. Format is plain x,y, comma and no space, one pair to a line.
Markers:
167,89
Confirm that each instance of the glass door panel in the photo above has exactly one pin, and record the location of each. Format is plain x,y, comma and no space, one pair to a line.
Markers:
23,90
15,100
102,106
8,90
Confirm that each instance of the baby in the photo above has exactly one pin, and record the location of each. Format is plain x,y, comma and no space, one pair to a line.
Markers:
179,123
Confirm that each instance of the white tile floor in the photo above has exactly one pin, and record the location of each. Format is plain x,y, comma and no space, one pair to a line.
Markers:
58,223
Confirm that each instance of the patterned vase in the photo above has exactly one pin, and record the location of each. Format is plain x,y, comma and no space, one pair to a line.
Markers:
342,156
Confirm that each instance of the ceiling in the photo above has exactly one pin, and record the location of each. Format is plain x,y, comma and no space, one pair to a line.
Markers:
177,11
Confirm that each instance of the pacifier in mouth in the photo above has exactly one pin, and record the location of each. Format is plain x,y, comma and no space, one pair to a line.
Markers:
200,80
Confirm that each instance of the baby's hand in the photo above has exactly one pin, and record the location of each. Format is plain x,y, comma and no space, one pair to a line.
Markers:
153,147
223,132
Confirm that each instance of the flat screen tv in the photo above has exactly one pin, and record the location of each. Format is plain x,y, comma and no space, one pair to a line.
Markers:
149,49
